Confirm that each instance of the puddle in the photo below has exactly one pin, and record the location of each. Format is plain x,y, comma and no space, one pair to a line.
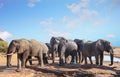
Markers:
107,58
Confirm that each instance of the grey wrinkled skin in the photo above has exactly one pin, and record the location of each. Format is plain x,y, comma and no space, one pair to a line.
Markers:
25,49
96,49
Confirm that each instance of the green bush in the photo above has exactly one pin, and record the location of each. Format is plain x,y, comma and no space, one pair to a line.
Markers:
3,46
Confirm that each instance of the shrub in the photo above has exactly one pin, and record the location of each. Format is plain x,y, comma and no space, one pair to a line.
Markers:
3,46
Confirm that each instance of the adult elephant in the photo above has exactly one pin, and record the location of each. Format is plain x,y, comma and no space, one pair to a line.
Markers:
65,48
26,48
54,42
96,49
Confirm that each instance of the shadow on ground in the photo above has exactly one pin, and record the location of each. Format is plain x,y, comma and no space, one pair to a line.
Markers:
73,70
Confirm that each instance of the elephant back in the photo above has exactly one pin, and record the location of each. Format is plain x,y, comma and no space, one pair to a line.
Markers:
71,45
39,46
35,47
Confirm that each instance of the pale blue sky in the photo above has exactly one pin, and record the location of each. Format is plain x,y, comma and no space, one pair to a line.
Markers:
41,19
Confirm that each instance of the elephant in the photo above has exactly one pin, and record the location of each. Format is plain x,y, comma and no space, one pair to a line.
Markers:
65,48
96,49
54,42
25,49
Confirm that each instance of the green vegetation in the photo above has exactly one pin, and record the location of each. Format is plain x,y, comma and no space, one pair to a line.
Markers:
3,46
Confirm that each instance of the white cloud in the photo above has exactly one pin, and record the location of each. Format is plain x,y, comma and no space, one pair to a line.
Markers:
82,10
57,33
83,14
76,8
5,35
32,3
111,36
47,22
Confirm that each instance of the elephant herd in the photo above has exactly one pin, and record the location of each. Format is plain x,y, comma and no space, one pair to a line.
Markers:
78,49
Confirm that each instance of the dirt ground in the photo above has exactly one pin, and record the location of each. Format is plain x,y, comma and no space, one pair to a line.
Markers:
54,70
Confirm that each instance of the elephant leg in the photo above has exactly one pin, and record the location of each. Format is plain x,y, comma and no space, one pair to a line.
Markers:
79,55
82,58
53,57
97,59
66,57
74,55
40,59
30,60
75,59
72,60
19,59
101,59
9,60
45,59
61,61
90,60
24,59
85,60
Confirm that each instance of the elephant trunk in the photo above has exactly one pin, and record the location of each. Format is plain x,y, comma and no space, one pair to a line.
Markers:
9,56
111,57
9,60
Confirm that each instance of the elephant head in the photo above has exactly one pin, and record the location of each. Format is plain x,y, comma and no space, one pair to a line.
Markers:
13,46
80,44
55,41
104,45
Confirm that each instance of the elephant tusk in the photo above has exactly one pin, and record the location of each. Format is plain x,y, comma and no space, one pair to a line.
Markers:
10,53
7,54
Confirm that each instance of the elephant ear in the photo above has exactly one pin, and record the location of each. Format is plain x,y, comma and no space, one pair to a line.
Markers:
17,44
100,44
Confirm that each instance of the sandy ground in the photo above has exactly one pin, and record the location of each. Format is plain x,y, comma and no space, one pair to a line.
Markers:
54,70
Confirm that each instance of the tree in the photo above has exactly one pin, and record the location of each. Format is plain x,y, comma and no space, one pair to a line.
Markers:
3,46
